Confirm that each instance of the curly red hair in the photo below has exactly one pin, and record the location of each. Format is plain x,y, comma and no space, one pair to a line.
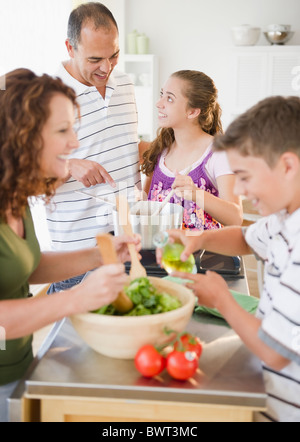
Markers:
24,110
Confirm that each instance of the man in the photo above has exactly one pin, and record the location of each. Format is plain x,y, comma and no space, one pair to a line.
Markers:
107,130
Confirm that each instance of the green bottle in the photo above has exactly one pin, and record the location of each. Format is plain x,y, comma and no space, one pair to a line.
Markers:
171,261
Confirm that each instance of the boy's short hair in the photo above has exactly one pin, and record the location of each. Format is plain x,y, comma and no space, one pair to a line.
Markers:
266,130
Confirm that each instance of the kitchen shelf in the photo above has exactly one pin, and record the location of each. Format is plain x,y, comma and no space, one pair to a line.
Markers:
262,71
143,70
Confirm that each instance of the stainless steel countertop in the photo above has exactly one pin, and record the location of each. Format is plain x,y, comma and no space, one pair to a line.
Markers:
228,373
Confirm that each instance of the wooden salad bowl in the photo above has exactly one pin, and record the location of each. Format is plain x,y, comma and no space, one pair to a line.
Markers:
121,336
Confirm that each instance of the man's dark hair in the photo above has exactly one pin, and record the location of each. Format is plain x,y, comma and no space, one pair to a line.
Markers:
93,12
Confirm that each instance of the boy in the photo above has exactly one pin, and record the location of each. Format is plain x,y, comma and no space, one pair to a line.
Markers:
263,147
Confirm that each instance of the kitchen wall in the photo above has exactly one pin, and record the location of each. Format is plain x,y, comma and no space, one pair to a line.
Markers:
32,34
195,34
190,34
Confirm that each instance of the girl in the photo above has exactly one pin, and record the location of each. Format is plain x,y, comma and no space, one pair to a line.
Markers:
189,117
36,137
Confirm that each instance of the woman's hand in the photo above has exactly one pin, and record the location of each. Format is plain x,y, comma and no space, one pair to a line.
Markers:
121,245
101,287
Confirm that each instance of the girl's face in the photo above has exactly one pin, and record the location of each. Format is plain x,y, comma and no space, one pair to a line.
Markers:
172,105
59,138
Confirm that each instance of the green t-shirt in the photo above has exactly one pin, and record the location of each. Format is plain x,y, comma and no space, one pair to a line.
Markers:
18,259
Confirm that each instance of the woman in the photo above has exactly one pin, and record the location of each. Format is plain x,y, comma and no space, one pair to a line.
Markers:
36,137
189,117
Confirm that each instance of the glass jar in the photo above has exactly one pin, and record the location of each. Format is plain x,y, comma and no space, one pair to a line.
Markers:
171,253
132,42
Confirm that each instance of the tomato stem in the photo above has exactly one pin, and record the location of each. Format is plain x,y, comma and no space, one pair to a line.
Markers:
176,339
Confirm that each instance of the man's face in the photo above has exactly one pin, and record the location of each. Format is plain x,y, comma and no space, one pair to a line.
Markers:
264,186
96,56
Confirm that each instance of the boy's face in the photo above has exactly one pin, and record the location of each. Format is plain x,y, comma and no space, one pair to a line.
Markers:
267,188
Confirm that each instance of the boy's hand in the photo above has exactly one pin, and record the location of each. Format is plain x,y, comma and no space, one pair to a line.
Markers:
191,241
211,289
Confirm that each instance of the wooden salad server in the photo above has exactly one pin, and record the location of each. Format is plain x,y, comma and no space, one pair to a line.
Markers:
137,270
109,256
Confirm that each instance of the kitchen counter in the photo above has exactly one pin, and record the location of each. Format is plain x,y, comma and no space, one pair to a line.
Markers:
68,381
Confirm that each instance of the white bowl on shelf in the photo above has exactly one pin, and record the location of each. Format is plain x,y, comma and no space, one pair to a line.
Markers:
245,35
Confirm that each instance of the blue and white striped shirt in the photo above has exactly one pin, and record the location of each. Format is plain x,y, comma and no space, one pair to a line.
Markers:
108,135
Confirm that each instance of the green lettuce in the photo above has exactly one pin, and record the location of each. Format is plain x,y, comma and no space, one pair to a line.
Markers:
146,300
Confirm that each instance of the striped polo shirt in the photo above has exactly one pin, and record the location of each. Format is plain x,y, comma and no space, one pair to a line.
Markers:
107,132
276,240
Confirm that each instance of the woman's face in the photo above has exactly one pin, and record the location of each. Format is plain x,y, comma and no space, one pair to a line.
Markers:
172,105
59,137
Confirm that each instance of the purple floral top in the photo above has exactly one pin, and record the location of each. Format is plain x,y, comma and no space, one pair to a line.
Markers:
194,217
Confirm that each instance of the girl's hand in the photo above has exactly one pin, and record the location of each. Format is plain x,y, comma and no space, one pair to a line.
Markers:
190,239
185,187
211,289
121,246
101,287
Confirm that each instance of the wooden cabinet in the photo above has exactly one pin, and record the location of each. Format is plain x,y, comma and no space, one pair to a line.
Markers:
263,71
76,409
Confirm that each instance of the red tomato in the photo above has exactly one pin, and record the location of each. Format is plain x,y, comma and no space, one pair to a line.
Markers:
182,365
190,343
149,362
